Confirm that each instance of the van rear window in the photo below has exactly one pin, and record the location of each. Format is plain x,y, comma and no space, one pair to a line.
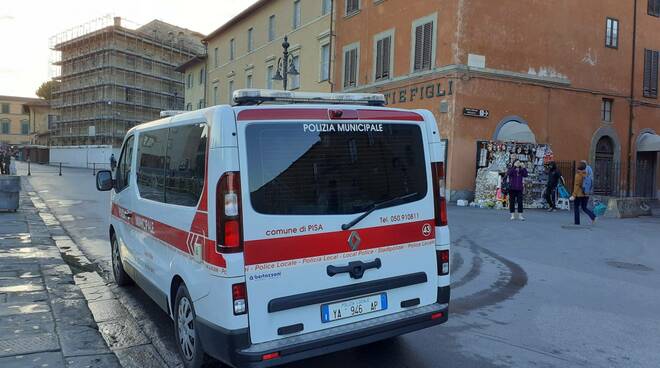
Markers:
333,168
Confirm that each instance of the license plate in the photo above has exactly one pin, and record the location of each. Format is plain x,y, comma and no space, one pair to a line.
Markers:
353,307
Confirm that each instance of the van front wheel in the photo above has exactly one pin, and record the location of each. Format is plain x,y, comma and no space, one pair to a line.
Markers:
121,277
185,332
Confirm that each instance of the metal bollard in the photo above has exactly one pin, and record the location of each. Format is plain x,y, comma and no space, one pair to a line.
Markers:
60,169
94,169
29,172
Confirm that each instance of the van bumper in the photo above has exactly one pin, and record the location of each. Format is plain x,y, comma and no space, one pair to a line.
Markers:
234,348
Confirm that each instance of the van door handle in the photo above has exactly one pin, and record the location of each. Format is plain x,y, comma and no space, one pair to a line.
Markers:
355,269
128,214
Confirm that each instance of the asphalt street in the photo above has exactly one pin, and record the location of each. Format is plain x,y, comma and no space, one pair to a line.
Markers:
524,294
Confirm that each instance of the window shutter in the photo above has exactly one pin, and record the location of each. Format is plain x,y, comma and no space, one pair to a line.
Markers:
354,62
379,59
385,69
347,68
654,74
648,61
419,47
428,45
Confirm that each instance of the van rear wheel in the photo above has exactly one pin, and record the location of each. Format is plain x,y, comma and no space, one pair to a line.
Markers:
185,333
121,277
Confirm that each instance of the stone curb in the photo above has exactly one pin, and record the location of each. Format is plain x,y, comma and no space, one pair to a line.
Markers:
119,325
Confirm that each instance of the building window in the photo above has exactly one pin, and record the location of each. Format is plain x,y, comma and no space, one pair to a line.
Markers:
606,110
383,57
249,40
215,57
25,127
5,108
423,45
232,49
200,104
352,6
351,58
654,8
269,77
271,28
5,126
248,81
189,106
130,95
201,76
215,95
651,73
326,6
231,91
296,14
325,62
189,82
295,79
612,33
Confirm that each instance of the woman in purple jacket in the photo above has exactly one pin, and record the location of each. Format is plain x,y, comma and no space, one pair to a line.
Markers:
516,175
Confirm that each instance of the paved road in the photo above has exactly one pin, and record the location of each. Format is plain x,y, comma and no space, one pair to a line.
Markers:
524,294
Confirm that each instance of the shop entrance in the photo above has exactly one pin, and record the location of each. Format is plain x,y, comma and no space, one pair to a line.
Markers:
604,169
647,162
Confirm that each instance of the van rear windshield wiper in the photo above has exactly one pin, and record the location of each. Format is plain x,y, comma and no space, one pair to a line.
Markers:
377,206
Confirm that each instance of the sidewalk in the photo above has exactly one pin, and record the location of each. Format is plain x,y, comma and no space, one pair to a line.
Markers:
45,320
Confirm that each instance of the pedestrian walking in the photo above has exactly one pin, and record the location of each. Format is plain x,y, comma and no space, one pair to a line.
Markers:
2,163
580,196
516,187
7,162
113,162
554,176
12,166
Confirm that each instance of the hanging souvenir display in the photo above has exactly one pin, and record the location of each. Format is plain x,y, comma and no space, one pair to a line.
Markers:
494,160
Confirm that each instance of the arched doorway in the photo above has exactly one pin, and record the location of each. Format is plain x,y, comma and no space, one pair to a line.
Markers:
604,167
514,129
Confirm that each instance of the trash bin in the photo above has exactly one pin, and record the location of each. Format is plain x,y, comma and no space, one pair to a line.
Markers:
10,187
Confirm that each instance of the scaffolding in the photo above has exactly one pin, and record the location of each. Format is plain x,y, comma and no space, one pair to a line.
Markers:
114,76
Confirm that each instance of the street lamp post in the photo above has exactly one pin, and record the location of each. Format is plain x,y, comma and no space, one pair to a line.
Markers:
285,66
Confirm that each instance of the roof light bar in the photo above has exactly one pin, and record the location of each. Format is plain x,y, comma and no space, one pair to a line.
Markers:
259,96
168,113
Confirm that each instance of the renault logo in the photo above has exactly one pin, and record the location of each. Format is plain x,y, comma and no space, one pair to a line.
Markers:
354,241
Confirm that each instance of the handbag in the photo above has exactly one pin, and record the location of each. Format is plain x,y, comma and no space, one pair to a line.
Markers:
563,193
600,209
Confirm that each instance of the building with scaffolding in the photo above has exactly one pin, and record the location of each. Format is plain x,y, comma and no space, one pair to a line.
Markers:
114,75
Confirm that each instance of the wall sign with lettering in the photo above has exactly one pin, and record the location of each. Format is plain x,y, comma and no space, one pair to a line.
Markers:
418,93
475,113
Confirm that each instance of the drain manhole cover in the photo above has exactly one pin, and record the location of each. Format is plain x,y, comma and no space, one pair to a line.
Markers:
629,266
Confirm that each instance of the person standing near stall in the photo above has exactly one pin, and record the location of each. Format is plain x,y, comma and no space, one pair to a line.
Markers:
515,175
554,175
580,193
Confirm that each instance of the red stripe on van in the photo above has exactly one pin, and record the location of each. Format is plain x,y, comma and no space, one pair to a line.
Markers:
175,237
304,246
283,114
389,115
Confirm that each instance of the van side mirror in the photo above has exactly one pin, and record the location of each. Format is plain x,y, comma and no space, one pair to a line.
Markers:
104,180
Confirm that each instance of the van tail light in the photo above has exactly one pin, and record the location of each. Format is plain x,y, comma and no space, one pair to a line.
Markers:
439,200
239,298
229,227
442,257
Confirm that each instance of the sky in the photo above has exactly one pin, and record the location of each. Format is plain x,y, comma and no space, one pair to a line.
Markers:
27,25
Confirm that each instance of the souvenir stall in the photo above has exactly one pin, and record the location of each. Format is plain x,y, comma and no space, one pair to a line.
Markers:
495,158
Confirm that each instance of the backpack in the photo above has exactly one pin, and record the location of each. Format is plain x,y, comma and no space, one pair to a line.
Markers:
588,185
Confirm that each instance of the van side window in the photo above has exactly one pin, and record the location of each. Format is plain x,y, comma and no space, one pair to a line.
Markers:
186,163
124,167
151,164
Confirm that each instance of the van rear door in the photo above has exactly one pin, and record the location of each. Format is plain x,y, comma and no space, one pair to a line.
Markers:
303,184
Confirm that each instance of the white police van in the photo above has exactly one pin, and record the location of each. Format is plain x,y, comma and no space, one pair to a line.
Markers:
287,226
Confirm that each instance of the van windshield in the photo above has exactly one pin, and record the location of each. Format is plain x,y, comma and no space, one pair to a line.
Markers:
333,168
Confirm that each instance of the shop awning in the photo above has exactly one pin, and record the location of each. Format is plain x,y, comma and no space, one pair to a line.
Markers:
649,142
513,131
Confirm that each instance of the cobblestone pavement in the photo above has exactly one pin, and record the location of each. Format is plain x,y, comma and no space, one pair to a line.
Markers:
45,320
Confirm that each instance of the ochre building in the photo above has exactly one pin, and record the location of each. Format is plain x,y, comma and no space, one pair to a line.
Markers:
580,76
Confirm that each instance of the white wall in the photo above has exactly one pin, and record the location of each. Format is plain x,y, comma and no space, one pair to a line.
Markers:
83,156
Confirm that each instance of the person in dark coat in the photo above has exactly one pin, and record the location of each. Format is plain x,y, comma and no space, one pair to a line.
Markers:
554,175
7,162
516,187
2,163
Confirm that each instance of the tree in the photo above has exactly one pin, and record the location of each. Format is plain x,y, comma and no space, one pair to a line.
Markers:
46,89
